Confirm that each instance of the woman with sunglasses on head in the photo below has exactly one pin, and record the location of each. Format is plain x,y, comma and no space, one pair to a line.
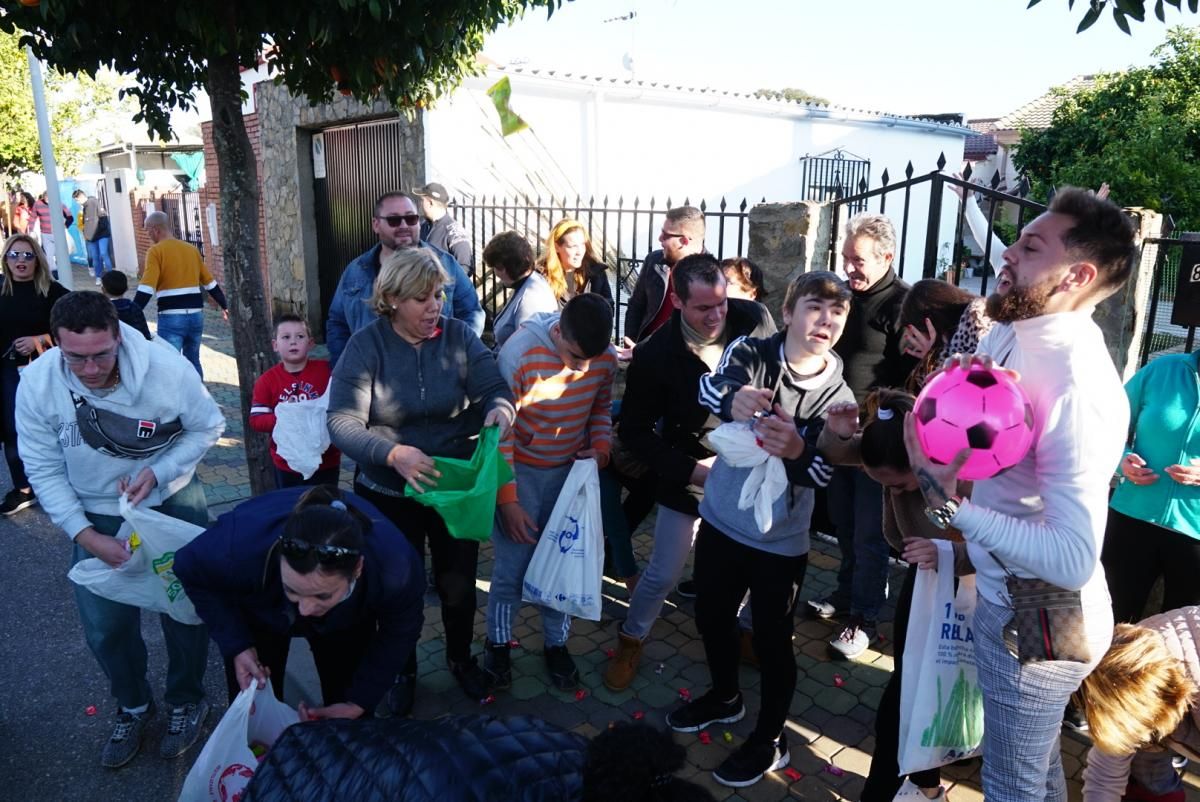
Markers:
316,563
27,292
571,265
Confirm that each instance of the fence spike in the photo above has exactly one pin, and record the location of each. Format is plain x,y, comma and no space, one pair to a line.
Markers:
996,179
862,185
884,179
605,201
669,205
703,205
764,200
941,162
592,201
908,171
621,201
742,208
966,173
723,204
636,201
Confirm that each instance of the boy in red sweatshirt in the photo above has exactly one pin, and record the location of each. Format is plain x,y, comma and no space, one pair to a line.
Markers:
295,378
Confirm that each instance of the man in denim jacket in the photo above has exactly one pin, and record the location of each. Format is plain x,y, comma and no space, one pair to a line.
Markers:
398,225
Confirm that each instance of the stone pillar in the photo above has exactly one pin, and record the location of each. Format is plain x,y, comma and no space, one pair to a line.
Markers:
1122,317
787,239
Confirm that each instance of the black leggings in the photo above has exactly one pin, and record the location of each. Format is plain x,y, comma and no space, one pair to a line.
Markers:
337,656
724,570
454,567
1136,554
883,780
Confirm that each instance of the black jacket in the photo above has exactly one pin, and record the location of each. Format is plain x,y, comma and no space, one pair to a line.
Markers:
870,344
468,758
648,295
231,574
597,282
663,383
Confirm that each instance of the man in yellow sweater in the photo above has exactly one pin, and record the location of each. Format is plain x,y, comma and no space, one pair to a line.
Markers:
176,272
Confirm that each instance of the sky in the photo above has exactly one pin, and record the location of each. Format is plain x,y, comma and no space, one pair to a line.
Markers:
983,58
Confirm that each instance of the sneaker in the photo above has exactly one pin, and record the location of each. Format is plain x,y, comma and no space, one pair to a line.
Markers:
398,701
750,762
911,793
1074,719
470,678
563,672
854,640
183,728
126,738
622,667
704,712
823,608
17,500
497,665
686,588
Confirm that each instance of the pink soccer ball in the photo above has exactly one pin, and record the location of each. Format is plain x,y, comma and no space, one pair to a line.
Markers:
978,408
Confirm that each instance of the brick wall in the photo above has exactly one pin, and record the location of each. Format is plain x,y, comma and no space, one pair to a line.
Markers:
211,192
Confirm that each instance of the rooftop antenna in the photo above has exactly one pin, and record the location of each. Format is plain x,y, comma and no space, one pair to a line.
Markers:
627,60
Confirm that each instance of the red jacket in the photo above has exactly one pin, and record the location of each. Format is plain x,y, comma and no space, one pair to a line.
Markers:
277,386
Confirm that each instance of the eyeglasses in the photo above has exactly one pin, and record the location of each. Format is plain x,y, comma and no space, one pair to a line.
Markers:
666,235
78,360
21,256
394,220
326,554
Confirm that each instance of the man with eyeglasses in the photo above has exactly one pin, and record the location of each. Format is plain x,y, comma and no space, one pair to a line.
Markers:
109,413
397,224
649,304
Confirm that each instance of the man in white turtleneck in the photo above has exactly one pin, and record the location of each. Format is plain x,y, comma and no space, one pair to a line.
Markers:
1045,517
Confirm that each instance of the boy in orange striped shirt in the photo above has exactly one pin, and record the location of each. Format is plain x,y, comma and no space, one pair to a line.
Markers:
560,367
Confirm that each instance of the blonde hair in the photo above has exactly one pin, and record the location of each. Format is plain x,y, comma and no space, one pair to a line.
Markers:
1138,694
41,268
551,266
406,274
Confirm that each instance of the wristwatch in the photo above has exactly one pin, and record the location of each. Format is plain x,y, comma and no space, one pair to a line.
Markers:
941,516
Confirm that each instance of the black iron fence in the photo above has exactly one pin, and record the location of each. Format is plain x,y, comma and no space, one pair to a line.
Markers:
835,174
1170,315
623,234
184,210
970,252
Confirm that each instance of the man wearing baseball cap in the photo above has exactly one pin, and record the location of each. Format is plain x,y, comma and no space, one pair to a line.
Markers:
440,229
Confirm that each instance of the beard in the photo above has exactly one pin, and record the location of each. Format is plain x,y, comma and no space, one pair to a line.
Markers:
1020,303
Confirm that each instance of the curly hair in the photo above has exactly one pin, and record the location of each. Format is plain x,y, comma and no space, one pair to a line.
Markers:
634,762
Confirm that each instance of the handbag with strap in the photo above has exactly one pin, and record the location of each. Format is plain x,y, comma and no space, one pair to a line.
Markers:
1047,622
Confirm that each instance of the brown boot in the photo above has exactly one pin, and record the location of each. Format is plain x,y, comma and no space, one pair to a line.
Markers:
622,668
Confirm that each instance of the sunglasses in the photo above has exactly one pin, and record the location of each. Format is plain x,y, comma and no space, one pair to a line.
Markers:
394,220
326,554
21,256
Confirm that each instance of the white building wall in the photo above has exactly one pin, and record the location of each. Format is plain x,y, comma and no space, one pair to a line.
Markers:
613,140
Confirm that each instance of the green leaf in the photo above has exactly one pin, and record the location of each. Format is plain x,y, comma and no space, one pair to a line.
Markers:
1159,11
1122,23
1089,19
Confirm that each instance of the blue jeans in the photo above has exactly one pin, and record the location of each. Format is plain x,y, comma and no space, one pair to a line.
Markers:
184,332
537,491
9,377
99,256
114,631
856,509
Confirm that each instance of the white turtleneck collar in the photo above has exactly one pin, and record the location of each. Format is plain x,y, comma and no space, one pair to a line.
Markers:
1054,330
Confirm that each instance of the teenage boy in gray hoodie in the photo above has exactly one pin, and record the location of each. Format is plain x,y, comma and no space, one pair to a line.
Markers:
782,387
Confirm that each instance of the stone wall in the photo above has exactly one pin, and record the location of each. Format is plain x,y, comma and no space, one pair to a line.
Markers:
286,125
1122,317
787,239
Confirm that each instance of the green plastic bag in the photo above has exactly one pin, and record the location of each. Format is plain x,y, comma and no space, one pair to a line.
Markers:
465,496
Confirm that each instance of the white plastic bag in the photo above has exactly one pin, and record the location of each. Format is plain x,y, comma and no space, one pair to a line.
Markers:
301,435
226,764
941,705
147,579
564,573
737,444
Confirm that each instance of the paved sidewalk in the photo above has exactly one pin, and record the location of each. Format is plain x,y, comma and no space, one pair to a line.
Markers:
830,726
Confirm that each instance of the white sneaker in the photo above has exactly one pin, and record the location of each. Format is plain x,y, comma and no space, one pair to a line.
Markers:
911,793
853,641
97,282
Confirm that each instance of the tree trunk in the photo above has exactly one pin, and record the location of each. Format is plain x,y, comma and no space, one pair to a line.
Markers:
249,315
